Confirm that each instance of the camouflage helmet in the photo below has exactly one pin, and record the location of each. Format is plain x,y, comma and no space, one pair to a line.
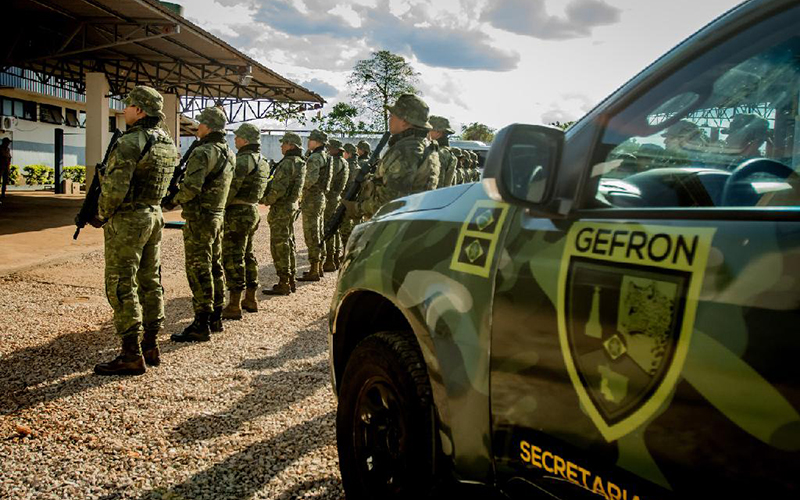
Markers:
456,152
364,146
350,148
291,138
249,133
318,135
441,124
412,109
334,144
213,118
147,99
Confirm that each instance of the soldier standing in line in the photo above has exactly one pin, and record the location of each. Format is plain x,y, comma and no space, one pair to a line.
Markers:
249,181
457,154
411,163
282,195
363,151
339,176
202,195
352,170
440,132
317,183
476,172
137,177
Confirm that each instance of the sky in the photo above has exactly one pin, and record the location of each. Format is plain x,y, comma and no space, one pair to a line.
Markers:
490,61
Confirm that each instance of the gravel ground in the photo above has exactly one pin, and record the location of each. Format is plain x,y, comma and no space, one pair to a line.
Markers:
248,415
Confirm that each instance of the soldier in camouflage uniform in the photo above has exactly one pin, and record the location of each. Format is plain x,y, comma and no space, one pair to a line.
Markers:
440,132
410,165
316,184
339,175
241,222
350,157
202,195
476,172
137,177
458,175
282,196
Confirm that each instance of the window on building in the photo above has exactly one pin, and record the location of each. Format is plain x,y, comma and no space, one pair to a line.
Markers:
82,118
51,114
112,123
71,118
28,111
8,107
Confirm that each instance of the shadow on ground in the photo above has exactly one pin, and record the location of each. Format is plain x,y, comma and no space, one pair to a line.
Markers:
51,366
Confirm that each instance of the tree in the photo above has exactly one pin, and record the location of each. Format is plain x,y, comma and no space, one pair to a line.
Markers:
477,132
379,81
562,126
340,120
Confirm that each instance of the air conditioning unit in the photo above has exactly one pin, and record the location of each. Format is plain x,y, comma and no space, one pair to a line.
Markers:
8,123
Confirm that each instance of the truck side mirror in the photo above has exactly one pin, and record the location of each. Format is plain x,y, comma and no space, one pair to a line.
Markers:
522,164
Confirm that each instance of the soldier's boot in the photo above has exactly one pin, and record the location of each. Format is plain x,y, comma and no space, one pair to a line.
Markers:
234,309
337,261
292,283
152,356
249,303
320,269
280,288
312,274
196,332
129,362
329,266
215,321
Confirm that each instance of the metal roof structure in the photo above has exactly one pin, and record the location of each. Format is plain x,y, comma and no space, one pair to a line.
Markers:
142,42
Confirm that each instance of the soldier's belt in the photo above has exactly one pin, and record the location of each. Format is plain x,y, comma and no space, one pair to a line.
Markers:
128,207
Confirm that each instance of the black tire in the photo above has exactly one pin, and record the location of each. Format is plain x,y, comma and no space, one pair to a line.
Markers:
385,420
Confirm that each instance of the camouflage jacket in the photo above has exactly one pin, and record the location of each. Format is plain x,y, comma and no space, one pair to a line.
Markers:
318,177
208,177
249,176
287,181
402,170
339,176
352,171
131,178
448,163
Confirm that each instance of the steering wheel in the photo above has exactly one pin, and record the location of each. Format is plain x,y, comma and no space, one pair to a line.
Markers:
748,168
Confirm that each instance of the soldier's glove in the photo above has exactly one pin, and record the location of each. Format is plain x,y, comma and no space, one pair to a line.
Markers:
351,209
97,222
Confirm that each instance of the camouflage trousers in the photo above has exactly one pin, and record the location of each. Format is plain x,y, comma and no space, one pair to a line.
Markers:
313,208
333,245
238,258
133,270
281,239
202,243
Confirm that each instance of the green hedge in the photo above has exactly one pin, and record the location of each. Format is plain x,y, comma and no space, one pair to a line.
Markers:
76,174
38,174
13,175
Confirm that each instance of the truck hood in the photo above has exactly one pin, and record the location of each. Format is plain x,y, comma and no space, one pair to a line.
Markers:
428,200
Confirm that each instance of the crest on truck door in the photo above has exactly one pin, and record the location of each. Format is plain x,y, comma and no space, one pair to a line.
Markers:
626,307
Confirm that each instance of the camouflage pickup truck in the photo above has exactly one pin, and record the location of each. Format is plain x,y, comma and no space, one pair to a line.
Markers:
614,311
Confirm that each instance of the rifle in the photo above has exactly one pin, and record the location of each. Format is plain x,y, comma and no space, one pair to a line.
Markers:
338,216
89,208
273,166
178,174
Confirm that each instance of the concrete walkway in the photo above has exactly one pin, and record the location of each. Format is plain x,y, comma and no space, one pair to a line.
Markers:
36,228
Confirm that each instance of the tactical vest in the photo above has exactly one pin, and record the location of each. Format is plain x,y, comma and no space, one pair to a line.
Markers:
254,184
154,170
218,180
338,169
325,173
298,173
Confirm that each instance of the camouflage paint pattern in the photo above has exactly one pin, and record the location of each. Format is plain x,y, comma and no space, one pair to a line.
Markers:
495,310
448,163
348,224
132,189
400,172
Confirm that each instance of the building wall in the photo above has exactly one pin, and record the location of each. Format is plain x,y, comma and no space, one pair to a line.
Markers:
34,141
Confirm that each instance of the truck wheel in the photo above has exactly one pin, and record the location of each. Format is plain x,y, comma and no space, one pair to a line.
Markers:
384,421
